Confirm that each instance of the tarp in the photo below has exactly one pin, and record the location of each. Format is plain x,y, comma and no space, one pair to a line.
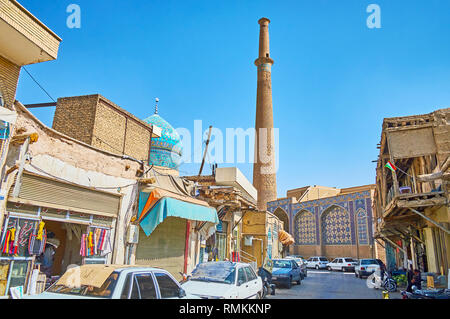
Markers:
171,207
7,115
285,238
148,200
86,275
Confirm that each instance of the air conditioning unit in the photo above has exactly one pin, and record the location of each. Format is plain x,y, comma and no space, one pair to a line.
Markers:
133,234
248,240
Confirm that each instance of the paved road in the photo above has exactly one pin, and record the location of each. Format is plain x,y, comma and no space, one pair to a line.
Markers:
322,284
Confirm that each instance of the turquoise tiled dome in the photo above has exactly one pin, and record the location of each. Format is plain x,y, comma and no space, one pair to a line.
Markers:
166,150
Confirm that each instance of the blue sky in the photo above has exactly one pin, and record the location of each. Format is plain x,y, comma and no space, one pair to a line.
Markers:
333,81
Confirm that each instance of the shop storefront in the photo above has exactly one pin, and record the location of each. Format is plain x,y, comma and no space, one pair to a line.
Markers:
50,225
166,226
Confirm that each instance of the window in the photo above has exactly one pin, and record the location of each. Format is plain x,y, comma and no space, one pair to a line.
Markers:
369,262
340,260
105,291
250,274
143,287
241,276
167,286
126,287
323,259
349,260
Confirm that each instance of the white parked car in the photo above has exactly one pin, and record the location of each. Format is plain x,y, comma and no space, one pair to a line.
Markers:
317,262
301,263
224,280
114,282
366,267
342,264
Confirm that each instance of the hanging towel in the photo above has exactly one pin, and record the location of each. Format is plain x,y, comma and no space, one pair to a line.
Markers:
17,240
83,245
102,239
6,242
40,231
107,245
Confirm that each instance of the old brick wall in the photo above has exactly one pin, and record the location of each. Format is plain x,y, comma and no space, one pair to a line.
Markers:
109,129
9,76
97,121
137,140
75,117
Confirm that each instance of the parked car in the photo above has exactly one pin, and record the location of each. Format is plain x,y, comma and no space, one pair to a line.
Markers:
295,256
366,267
302,263
317,262
224,280
285,271
114,282
342,263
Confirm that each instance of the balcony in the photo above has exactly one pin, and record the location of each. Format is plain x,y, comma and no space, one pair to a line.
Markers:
23,38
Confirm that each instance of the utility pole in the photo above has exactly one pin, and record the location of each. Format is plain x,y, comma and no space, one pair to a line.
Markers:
206,150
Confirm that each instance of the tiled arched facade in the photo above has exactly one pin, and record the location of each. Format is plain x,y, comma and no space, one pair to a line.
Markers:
335,225
338,225
362,227
305,228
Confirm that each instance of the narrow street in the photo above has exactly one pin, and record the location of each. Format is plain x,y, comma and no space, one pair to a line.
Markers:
322,284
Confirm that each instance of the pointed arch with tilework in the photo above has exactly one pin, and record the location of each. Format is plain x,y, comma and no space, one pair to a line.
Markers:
305,228
335,226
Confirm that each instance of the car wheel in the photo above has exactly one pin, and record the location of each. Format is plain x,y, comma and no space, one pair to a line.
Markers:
317,267
343,269
299,281
329,268
356,274
289,283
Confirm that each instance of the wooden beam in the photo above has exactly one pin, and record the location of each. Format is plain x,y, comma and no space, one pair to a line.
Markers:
29,106
430,220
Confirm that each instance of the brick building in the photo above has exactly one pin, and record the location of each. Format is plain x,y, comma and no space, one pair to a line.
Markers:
95,120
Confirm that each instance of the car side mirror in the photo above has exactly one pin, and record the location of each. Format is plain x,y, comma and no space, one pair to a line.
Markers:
181,293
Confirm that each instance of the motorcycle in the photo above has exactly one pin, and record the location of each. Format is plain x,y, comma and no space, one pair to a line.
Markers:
268,287
426,294
382,282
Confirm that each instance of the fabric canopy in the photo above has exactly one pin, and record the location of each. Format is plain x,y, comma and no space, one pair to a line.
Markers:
285,238
170,207
7,115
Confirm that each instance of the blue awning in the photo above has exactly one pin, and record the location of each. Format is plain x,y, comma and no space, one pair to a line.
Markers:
171,207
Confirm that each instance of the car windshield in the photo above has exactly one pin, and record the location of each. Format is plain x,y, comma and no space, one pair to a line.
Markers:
349,260
221,271
369,262
105,291
323,259
281,264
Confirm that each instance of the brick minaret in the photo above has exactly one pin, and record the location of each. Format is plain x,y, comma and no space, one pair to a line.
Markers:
264,172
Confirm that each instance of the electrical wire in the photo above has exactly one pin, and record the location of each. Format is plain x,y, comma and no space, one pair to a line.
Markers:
35,81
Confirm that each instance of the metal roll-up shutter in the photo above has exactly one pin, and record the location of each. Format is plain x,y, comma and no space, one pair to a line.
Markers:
42,191
165,246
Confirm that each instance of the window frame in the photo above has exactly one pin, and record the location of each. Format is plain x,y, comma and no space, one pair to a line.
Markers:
155,280
237,277
139,289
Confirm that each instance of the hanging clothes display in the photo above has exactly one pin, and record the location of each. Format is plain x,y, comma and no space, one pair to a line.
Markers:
95,242
36,246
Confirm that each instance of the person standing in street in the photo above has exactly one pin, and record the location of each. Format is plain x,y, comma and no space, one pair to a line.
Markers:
409,277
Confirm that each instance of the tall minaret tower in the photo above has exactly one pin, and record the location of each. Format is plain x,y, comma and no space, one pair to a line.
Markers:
264,172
